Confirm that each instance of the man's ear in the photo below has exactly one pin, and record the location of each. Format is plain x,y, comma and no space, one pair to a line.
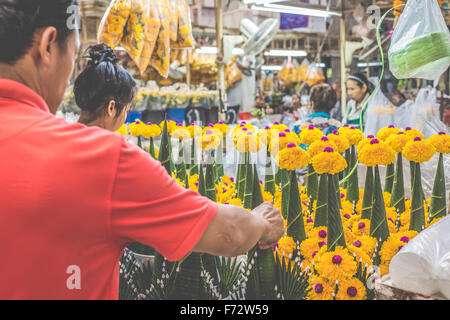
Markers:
47,41
111,109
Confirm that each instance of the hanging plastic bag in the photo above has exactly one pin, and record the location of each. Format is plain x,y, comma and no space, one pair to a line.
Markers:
233,74
133,41
420,45
173,20
380,113
314,75
185,39
111,29
153,27
160,60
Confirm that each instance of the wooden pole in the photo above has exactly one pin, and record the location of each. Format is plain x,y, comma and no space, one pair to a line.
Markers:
343,67
221,65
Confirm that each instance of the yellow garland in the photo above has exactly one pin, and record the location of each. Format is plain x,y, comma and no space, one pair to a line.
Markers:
386,132
340,141
310,134
329,162
419,151
181,133
441,142
398,141
376,153
351,289
319,145
292,158
354,136
330,270
321,289
135,129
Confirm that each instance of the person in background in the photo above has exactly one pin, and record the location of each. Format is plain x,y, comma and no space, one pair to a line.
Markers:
73,197
359,89
104,91
336,112
299,112
323,99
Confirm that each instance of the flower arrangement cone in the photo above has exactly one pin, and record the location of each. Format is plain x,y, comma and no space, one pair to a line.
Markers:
335,235
353,189
378,222
417,221
438,205
321,217
398,188
165,150
389,179
269,181
366,210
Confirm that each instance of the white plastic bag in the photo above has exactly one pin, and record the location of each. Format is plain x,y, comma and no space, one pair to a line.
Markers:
423,265
420,45
380,113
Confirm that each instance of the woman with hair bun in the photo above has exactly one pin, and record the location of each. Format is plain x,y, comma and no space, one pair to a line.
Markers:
359,89
104,91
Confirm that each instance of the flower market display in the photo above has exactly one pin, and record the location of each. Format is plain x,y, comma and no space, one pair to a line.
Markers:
338,238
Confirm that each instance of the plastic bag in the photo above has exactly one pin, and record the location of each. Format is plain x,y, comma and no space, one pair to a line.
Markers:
420,45
160,60
173,20
423,265
133,41
185,39
153,27
380,113
113,23
232,74
314,75
426,113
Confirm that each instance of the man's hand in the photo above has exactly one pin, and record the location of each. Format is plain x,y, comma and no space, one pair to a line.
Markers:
274,227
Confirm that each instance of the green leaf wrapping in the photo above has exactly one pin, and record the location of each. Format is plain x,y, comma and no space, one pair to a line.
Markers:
398,189
171,163
269,181
219,163
188,284
242,173
193,168
378,223
278,175
353,188
265,266
389,180
293,284
257,198
312,183
152,148
321,217
209,264
338,190
335,232
417,221
295,224
201,182
248,197
164,150
139,143
285,193
181,166
438,205
348,159
209,182
366,210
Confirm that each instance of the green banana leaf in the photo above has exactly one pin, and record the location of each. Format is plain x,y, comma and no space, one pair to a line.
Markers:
321,218
335,232
181,166
242,174
285,193
389,180
209,182
269,181
312,184
292,283
398,189
188,285
378,223
295,225
201,181
366,210
438,197
353,188
165,149
152,148
417,221
193,167
348,159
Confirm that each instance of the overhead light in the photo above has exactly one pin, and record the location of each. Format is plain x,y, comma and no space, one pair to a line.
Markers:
369,64
271,68
213,50
320,65
261,1
295,10
286,53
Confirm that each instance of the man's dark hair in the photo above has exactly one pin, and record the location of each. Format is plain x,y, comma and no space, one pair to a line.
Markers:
102,81
324,98
20,19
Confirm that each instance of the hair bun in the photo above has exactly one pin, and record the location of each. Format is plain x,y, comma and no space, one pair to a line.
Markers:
101,53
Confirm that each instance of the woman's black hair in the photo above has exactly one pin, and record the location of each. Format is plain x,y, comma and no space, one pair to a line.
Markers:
20,19
102,81
324,98
362,80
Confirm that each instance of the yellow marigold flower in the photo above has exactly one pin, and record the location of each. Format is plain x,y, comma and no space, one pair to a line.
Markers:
194,130
329,161
386,132
181,183
384,269
278,127
353,135
366,244
336,265
266,135
123,130
193,181
360,255
321,289
413,133
239,131
419,150
212,130
234,202
405,236
318,233
429,223
398,141
441,142
319,146
286,246
135,128
267,196
310,248
223,127
361,227
339,140
390,248
292,158
351,289
171,126
248,142
376,153
348,235
209,142
310,134
181,133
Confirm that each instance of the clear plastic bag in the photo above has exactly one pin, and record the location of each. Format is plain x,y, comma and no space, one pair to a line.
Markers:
185,39
423,265
380,113
160,60
133,41
426,113
113,23
420,44
314,75
153,27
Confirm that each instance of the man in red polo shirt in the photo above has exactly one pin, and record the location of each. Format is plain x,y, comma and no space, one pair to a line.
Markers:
72,198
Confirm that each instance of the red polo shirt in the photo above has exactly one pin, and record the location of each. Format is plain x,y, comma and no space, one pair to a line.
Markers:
72,198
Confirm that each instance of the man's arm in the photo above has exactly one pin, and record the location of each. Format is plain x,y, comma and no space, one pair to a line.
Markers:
234,231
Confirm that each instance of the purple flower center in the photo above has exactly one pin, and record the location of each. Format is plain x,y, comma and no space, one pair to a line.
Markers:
226,203
243,122
313,254
441,133
310,220
322,234
311,127
335,132
336,259
208,132
318,288
391,126
352,292
137,122
211,125
361,225
149,123
342,195
291,145
374,141
244,129
232,179
328,149
390,220
275,245
196,184
192,124
287,130
220,122
370,136
404,239
400,248
347,216
324,139
407,128
180,125
276,123
223,191
352,128
282,134
346,125
322,243
357,243
401,132
417,139
249,133
267,128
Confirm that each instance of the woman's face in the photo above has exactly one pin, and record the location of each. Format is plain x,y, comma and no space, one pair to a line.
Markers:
355,92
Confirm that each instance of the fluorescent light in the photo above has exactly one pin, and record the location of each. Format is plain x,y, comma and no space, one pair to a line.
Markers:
369,64
237,52
213,50
261,1
295,10
320,65
286,53
271,68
